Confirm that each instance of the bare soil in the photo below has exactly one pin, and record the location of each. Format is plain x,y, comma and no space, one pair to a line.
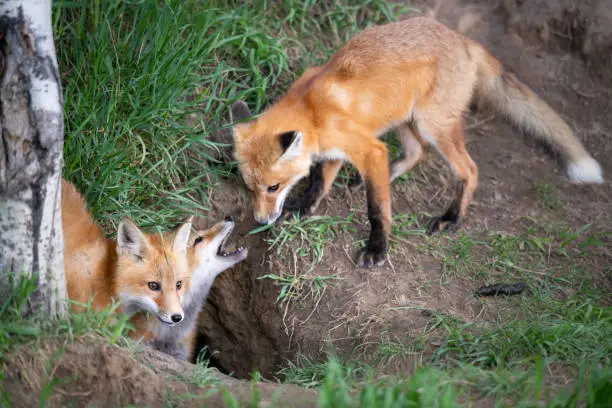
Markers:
91,372
558,49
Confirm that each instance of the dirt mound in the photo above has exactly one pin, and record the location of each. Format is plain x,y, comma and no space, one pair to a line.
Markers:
84,372
88,371
583,27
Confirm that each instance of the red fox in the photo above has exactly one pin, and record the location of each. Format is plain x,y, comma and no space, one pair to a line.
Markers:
166,276
415,76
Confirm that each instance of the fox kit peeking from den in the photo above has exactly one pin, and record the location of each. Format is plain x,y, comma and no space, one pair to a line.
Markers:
415,76
161,280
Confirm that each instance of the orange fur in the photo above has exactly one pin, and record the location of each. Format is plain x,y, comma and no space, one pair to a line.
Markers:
96,269
416,76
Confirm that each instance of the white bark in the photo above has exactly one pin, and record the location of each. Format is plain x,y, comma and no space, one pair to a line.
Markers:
31,239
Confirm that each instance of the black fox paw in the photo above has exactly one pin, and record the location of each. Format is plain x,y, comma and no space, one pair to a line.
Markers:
437,225
298,206
370,257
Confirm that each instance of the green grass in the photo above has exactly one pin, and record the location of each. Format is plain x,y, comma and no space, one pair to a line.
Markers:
425,388
301,243
147,84
510,364
565,332
142,103
548,194
311,373
16,330
201,375
307,238
547,347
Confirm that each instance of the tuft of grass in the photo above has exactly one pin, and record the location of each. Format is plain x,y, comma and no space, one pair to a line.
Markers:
459,260
565,332
390,348
309,373
295,288
303,242
426,388
201,375
405,226
307,238
549,196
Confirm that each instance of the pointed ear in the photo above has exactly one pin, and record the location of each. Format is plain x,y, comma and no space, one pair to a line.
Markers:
239,111
131,240
181,239
292,144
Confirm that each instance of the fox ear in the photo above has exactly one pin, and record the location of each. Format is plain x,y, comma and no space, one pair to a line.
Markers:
181,239
292,144
239,111
131,240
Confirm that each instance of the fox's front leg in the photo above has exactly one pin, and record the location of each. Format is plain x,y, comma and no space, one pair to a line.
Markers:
321,179
374,169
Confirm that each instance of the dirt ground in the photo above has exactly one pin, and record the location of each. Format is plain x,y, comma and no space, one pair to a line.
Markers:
556,49
91,372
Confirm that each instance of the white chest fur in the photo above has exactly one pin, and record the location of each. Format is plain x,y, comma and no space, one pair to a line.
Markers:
331,154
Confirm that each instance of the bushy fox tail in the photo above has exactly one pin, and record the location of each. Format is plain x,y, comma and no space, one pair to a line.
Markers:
523,108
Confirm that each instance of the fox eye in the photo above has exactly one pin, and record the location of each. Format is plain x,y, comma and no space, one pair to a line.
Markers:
273,188
179,284
154,286
198,240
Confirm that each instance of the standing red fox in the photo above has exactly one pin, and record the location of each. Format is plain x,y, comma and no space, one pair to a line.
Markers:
416,76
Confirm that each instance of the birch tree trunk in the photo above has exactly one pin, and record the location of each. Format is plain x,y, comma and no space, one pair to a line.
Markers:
31,239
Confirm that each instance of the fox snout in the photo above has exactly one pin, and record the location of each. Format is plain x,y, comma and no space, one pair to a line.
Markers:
267,208
171,318
266,218
170,308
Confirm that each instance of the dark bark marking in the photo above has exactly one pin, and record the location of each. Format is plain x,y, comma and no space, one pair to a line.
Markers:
29,159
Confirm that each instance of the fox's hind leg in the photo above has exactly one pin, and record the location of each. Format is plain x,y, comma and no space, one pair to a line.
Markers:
412,149
451,144
321,179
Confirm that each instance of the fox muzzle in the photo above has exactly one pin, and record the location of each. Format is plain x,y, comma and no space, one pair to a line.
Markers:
266,218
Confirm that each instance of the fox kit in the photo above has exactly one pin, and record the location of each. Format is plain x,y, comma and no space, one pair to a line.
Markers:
165,276
415,76
207,259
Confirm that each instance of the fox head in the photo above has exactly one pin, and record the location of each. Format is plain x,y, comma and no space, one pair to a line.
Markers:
152,272
271,160
208,256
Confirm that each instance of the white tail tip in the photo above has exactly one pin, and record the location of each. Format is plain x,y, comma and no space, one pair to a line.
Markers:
585,170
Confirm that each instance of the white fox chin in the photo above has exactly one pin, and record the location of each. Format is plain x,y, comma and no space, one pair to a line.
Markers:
132,304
